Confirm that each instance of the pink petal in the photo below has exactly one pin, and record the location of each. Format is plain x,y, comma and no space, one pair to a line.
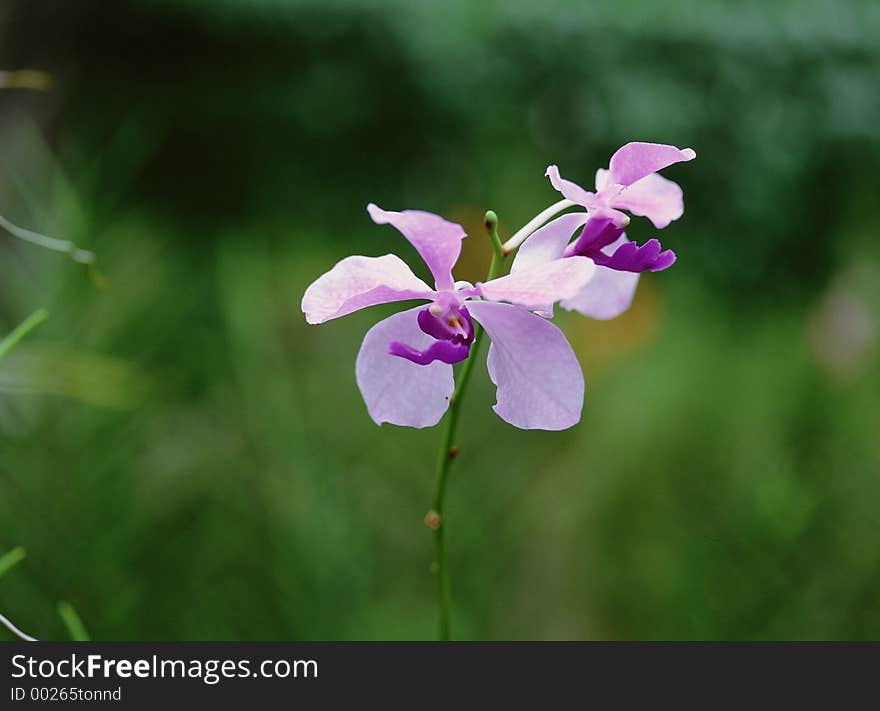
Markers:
539,380
358,282
655,197
549,242
538,286
608,294
636,160
570,190
438,241
397,390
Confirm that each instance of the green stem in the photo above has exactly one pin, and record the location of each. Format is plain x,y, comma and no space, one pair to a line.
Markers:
449,451
23,329
83,256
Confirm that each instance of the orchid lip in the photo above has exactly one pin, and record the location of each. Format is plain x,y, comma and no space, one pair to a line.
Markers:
444,351
453,331
600,232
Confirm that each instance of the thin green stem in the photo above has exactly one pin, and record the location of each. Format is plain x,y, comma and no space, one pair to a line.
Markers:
23,329
449,450
83,256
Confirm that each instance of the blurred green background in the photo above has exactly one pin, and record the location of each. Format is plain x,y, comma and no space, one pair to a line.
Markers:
183,458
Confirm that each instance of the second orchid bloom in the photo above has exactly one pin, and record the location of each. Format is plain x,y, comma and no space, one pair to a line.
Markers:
404,367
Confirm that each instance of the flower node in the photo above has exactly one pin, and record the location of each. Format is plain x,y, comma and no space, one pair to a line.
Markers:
433,520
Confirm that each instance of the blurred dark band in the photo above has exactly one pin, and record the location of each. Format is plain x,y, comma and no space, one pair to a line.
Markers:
140,674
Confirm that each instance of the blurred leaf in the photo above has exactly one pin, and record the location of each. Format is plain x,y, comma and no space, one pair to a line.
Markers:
11,559
93,378
26,79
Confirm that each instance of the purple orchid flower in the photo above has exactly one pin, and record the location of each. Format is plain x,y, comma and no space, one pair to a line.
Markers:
404,366
630,183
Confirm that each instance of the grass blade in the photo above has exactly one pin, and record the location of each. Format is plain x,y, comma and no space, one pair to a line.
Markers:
11,559
23,329
73,622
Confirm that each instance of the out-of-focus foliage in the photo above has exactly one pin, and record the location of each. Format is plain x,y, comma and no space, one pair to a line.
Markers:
182,457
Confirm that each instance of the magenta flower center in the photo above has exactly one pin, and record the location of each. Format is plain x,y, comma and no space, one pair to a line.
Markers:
451,328
604,229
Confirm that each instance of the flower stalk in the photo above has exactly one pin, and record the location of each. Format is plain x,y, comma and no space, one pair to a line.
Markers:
435,518
544,216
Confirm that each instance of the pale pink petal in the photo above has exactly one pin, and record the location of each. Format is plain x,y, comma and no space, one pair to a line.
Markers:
358,282
636,160
570,190
538,286
397,390
438,241
608,294
539,380
655,197
549,242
